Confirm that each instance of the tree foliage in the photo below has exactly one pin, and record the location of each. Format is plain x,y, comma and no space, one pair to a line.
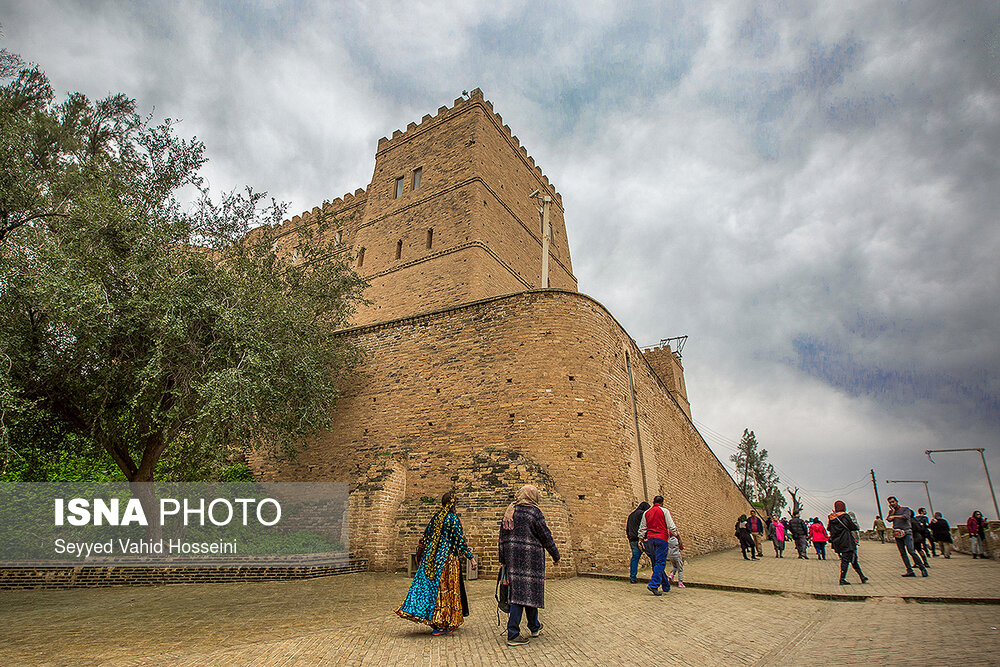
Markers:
760,482
165,336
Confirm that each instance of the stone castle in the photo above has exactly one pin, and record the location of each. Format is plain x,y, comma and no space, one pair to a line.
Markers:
479,379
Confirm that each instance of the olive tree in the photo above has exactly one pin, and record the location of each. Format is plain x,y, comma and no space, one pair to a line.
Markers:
145,326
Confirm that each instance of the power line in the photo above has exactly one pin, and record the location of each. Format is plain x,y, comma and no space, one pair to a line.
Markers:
815,497
722,441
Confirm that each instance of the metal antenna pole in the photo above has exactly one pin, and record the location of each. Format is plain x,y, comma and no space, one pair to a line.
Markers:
982,455
988,481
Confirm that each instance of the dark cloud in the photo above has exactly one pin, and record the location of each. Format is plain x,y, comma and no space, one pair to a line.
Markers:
808,191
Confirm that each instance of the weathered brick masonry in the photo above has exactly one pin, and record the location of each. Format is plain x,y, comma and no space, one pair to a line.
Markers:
475,380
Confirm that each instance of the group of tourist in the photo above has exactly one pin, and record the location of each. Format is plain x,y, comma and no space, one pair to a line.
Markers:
934,533
437,595
917,536
915,532
841,532
752,532
651,530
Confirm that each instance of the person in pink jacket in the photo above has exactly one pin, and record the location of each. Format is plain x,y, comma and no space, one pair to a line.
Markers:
776,533
817,533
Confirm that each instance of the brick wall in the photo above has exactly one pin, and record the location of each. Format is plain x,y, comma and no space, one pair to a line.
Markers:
963,544
528,388
15,578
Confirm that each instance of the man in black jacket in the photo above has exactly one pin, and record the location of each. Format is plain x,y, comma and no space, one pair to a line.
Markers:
941,532
632,533
797,527
925,533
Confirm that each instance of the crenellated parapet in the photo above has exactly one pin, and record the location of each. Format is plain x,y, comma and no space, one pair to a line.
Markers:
330,208
462,105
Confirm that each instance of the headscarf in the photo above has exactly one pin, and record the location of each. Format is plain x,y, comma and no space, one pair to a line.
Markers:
838,508
526,495
437,527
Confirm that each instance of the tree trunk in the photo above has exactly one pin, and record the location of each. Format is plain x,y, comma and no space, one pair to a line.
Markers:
795,501
146,493
141,482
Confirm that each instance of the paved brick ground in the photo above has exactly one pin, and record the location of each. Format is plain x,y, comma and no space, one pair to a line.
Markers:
957,577
348,620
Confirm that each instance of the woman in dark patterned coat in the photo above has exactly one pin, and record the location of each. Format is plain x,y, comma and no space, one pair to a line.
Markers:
524,539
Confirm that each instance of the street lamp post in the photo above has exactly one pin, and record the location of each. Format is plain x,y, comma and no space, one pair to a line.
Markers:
982,455
915,481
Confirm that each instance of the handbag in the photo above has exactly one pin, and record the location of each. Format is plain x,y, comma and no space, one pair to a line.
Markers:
898,533
502,594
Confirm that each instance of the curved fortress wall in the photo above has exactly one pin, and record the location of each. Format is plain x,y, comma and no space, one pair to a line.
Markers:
526,388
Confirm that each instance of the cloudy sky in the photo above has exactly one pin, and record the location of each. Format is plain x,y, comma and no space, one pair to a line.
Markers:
809,191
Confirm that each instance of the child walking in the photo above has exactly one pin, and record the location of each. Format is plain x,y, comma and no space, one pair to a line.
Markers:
676,559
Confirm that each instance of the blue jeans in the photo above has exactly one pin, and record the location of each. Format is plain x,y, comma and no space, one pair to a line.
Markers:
802,546
514,622
905,546
633,566
659,563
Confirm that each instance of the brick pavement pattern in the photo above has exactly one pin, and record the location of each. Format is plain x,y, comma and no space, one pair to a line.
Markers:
957,577
348,620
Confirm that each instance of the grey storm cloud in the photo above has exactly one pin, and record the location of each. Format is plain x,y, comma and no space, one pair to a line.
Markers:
809,191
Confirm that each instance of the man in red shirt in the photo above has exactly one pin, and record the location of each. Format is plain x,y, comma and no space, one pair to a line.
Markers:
656,528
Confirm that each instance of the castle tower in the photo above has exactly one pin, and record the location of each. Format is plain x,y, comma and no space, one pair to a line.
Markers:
477,381
667,365
447,218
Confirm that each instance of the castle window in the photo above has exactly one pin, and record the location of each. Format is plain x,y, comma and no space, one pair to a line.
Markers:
416,177
338,237
399,187
399,248
430,238
361,257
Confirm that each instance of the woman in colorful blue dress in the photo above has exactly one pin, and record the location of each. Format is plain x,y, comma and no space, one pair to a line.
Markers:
437,595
